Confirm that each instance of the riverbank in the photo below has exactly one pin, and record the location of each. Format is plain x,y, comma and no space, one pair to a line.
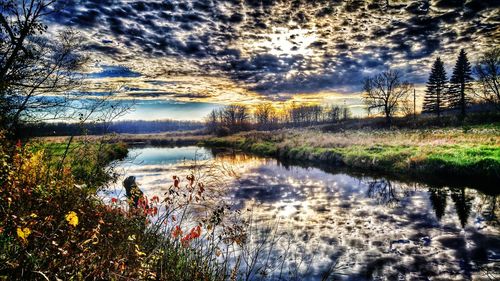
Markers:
462,154
468,155
167,139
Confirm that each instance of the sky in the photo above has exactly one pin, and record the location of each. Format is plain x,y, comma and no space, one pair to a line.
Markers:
180,59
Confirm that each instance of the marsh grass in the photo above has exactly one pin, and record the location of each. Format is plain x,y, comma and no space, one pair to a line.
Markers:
452,152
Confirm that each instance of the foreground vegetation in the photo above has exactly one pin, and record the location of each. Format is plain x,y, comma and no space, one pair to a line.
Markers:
450,153
54,226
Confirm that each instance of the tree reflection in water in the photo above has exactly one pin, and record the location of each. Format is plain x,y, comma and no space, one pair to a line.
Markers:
383,191
438,197
490,210
463,204
389,193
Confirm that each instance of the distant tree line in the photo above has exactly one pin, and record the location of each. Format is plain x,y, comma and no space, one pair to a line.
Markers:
130,127
235,118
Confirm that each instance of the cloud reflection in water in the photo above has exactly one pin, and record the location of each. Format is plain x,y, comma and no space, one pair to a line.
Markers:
368,227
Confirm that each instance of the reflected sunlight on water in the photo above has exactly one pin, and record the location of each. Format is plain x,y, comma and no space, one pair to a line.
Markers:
360,227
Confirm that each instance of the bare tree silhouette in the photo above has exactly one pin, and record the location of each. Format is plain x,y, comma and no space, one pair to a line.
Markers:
383,191
488,72
36,72
386,92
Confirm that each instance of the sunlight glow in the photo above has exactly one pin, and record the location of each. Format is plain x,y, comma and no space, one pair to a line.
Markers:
283,41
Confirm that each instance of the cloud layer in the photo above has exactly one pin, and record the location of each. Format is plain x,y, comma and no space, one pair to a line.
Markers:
276,46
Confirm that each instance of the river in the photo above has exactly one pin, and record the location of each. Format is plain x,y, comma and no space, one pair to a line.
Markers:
356,227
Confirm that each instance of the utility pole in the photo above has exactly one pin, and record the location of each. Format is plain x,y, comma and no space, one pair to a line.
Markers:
414,104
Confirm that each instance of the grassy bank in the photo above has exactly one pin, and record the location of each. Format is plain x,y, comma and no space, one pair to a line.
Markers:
450,154
167,139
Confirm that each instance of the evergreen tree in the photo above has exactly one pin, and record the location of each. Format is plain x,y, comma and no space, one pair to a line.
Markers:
434,101
438,198
460,84
463,205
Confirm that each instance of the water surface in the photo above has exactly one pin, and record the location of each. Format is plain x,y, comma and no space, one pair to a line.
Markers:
358,227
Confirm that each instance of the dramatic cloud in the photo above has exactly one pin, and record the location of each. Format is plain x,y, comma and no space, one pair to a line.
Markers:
276,47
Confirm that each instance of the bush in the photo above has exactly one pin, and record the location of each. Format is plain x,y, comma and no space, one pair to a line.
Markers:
50,228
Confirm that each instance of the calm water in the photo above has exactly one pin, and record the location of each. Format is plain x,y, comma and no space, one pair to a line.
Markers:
362,228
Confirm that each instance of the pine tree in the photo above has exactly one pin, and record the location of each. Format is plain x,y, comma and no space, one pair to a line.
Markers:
434,101
460,84
463,205
438,197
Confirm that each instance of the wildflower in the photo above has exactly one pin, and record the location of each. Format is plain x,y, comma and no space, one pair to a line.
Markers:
190,178
23,233
34,216
153,211
138,251
72,218
131,237
155,199
114,200
177,231
193,234
202,188
143,203
185,240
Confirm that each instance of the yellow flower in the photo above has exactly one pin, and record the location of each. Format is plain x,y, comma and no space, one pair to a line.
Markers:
138,251
33,215
23,233
72,218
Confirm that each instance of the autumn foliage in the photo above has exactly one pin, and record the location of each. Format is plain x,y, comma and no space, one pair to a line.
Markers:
53,227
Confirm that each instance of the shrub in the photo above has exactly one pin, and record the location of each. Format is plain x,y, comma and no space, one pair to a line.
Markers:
51,228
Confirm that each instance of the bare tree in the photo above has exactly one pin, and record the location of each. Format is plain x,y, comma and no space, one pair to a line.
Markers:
383,191
336,113
386,93
229,119
488,72
333,113
242,115
235,116
36,73
265,115
212,121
